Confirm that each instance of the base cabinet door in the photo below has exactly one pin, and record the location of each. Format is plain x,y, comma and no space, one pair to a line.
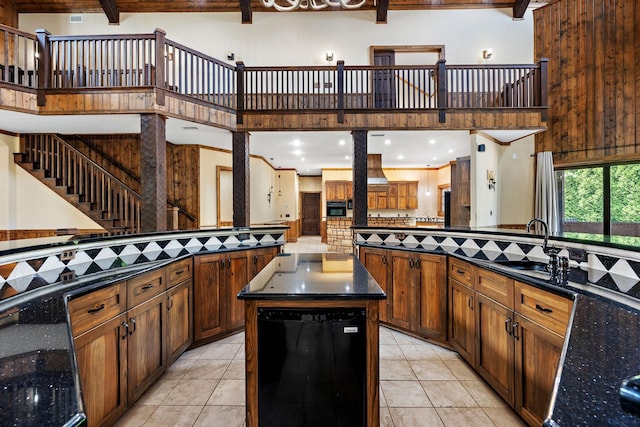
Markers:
208,314
101,355
260,258
537,356
403,303
495,345
146,354
377,262
432,296
236,277
179,320
462,334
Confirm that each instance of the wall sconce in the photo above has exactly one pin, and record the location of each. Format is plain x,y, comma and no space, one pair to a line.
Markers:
491,179
279,186
328,56
269,194
486,54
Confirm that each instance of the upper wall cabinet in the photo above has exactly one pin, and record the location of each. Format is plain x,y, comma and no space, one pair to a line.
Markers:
399,195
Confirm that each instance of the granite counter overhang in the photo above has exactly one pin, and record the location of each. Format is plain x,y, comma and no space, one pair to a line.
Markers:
601,349
313,276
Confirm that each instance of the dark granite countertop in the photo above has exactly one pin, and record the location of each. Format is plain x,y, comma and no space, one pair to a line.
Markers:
313,276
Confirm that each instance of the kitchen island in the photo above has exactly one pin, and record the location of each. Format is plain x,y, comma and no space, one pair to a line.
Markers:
312,342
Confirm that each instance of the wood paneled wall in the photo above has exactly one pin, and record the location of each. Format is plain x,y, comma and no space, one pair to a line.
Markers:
593,48
183,188
8,13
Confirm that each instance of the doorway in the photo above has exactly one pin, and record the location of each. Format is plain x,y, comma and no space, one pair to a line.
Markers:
310,214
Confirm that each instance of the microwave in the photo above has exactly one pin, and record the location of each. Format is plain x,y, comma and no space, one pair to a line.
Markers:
336,208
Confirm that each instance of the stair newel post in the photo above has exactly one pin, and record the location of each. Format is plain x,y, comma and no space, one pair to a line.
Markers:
160,60
543,87
340,88
43,64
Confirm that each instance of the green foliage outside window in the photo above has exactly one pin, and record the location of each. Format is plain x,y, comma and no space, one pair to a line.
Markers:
625,193
583,195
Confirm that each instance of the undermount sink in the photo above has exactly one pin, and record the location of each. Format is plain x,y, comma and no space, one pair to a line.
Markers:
523,264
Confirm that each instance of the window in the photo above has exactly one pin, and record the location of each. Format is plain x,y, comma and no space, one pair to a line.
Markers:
600,200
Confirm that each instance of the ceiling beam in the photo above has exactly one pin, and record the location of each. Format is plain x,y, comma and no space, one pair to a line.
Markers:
519,8
245,8
381,14
111,10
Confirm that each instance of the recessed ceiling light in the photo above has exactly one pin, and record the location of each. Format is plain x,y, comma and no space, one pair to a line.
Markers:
296,142
400,157
346,157
432,141
297,153
387,141
435,158
302,159
450,150
341,142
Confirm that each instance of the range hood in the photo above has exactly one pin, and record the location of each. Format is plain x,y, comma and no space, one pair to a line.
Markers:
376,180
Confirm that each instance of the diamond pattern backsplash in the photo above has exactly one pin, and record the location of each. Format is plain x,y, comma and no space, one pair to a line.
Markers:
618,273
17,277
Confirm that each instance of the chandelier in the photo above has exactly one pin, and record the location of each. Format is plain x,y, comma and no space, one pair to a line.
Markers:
311,4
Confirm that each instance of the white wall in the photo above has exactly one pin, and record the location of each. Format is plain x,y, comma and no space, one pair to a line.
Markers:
483,199
516,182
302,38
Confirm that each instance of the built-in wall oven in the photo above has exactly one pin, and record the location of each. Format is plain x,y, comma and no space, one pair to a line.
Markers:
336,208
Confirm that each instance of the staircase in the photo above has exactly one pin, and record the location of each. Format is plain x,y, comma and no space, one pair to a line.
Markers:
80,181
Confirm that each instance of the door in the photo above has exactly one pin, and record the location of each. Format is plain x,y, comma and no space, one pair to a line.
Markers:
179,324
403,302
310,214
376,261
237,274
432,298
208,315
383,80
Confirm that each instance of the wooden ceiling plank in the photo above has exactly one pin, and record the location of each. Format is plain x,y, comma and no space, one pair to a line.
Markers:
381,13
111,10
245,8
519,8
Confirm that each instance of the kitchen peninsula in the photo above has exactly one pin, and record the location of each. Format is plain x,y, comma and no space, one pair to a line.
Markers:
312,342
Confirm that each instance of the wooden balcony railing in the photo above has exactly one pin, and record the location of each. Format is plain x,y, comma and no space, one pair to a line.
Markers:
102,192
18,57
150,60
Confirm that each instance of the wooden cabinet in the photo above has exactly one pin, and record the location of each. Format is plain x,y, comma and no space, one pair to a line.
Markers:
377,263
462,334
260,258
392,195
495,345
339,190
179,308
461,191
217,280
146,355
537,356
432,296
403,307
101,352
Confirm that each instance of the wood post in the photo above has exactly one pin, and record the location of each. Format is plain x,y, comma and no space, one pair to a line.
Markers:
340,92
241,188
442,90
43,66
160,80
544,88
239,91
359,178
153,172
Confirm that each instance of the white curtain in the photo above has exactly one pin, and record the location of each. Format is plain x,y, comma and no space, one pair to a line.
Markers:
546,205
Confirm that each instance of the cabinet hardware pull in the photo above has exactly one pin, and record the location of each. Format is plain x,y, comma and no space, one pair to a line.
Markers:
133,324
411,262
470,303
126,330
170,303
229,263
147,287
255,259
384,259
507,327
418,264
460,271
542,309
96,309
515,330
179,272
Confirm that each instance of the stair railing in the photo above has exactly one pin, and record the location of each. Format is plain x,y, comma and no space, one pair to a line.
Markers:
106,196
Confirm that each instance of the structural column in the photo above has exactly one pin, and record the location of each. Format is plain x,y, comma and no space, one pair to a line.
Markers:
359,178
153,172
241,213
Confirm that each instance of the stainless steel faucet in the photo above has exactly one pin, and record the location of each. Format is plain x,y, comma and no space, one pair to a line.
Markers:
546,231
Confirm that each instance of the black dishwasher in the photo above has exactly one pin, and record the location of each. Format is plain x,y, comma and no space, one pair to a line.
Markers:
311,367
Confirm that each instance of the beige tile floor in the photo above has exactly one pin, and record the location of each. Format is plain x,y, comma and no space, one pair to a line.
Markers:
421,384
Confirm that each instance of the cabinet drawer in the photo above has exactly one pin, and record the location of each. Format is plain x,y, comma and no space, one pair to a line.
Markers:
96,307
545,308
495,286
140,289
179,271
461,271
